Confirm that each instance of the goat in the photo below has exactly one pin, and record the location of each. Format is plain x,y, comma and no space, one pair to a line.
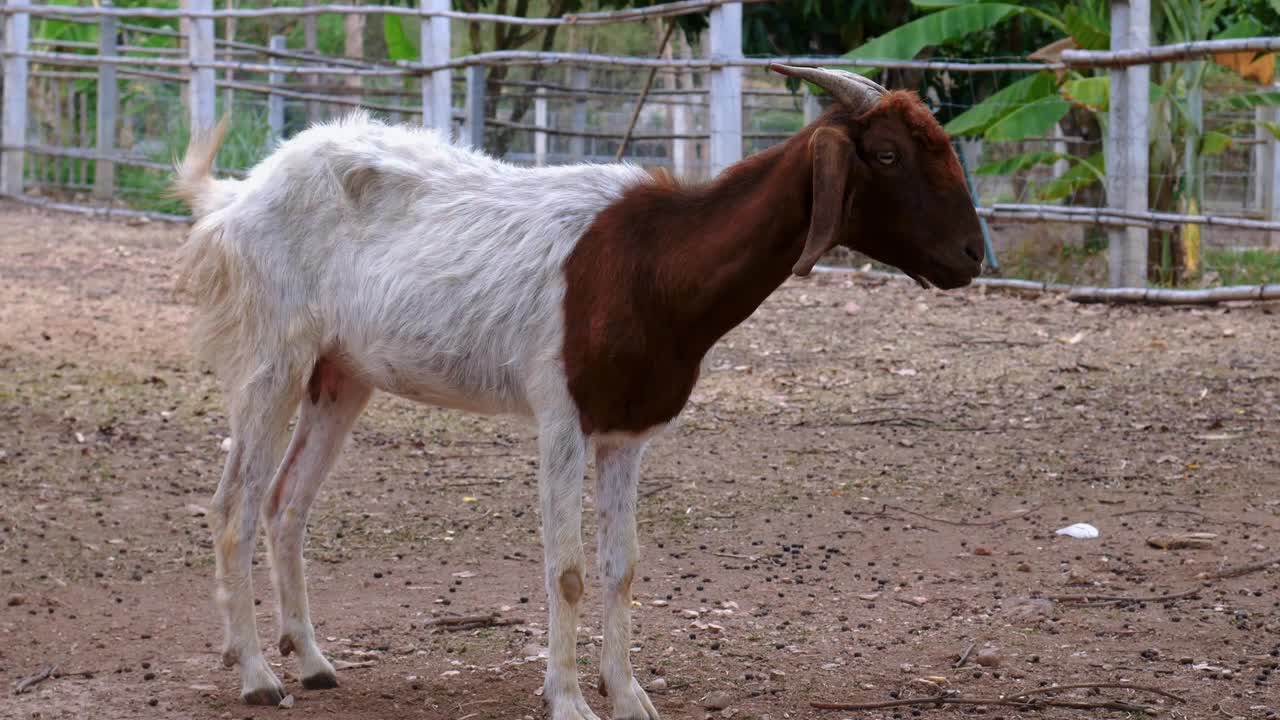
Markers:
360,256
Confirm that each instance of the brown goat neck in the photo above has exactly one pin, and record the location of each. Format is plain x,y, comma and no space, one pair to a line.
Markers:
668,269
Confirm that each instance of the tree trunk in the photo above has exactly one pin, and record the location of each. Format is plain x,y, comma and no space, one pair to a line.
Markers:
353,42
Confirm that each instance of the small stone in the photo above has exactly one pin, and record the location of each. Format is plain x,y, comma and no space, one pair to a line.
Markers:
989,658
1023,567
287,702
658,685
777,674
716,700
659,603
1079,576
1029,608
16,599
982,551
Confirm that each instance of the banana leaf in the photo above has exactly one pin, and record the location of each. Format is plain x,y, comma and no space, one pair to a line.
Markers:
978,118
1084,173
1031,120
1018,163
934,29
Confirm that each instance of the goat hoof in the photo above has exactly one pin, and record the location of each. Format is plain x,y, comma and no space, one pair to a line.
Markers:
320,681
263,696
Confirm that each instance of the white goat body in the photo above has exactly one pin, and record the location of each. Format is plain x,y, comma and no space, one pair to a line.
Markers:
362,256
433,270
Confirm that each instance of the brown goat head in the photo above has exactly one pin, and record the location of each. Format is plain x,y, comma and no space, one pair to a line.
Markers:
887,183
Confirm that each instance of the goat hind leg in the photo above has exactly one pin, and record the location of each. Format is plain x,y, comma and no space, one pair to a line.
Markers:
260,415
617,475
335,400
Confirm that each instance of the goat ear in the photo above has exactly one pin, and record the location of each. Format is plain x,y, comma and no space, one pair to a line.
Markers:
831,152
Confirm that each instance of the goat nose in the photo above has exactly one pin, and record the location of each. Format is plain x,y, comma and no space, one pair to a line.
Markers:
974,252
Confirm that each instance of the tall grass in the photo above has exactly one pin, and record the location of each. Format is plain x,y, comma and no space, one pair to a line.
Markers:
247,142
1254,266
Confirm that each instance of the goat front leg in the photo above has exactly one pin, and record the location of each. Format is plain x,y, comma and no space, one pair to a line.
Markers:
617,475
562,448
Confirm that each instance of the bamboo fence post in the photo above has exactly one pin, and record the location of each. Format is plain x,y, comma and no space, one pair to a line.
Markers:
309,47
14,130
725,110
682,151
104,176
437,87
540,119
812,107
580,79
203,80
1270,174
275,101
1126,153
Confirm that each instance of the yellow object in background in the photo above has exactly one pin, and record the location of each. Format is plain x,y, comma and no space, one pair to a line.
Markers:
1250,65
1191,241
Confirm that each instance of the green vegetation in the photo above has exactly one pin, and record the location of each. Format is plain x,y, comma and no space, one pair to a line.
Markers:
147,189
1254,266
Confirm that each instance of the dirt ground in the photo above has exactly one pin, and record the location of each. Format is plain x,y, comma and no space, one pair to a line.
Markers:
866,483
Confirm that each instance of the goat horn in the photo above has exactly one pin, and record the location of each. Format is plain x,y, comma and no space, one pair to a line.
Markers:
855,91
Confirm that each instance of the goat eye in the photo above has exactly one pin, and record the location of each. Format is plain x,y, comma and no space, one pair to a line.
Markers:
887,157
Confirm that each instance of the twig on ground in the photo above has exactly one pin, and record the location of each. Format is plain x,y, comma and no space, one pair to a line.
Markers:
1077,686
964,656
348,665
962,523
1160,511
35,678
882,515
470,622
993,341
1239,570
735,556
655,490
1108,599
480,480
893,421
948,700
1021,700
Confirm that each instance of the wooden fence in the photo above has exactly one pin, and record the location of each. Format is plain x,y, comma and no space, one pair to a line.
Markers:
455,103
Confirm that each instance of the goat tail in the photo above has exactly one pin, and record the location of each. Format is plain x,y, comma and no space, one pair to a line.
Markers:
193,179
213,270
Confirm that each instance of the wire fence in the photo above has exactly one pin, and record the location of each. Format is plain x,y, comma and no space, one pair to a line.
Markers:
692,105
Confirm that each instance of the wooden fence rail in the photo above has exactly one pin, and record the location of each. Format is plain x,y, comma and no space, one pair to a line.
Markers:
604,17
